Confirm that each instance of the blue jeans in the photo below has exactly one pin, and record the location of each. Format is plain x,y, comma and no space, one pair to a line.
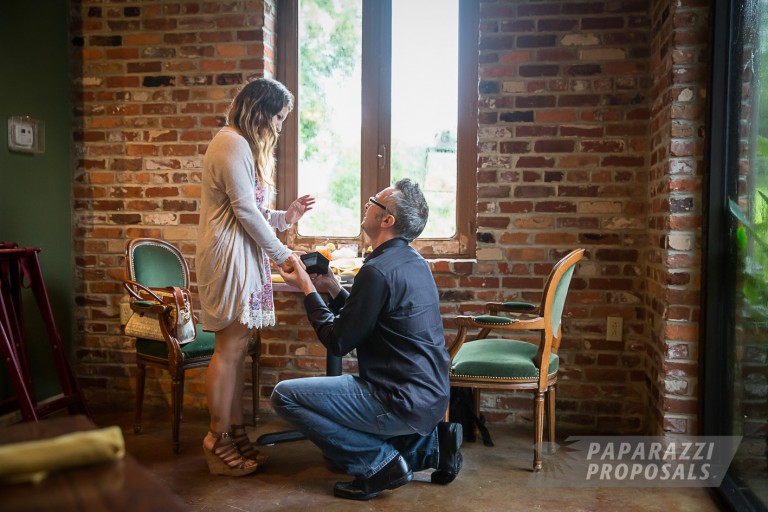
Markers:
350,425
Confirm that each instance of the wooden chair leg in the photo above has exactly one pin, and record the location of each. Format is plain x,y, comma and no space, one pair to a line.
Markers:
551,417
476,407
177,402
538,428
141,376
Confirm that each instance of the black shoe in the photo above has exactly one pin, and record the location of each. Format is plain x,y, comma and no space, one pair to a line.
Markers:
449,437
391,476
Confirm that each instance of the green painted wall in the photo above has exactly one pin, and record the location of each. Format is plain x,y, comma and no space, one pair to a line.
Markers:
35,189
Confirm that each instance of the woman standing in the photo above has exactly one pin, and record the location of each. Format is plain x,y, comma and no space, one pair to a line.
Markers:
235,243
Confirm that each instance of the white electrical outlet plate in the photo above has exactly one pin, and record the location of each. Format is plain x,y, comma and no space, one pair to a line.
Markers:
26,134
613,330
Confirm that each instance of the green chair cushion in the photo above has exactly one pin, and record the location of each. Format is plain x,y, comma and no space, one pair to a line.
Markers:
493,320
201,347
499,359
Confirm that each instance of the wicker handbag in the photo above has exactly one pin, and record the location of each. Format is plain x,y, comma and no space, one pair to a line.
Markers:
179,320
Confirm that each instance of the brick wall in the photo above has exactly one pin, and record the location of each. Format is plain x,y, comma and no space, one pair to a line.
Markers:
564,124
679,64
152,82
586,139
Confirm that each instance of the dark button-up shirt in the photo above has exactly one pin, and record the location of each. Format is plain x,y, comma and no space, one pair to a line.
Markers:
392,317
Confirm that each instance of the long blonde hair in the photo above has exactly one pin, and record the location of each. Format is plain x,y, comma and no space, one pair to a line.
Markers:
251,113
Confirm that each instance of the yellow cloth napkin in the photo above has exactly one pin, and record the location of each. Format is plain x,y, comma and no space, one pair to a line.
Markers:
31,461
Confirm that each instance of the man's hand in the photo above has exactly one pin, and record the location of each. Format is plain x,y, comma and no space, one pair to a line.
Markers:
295,274
327,283
298,208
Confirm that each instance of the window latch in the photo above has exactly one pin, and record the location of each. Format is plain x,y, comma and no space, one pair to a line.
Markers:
382,155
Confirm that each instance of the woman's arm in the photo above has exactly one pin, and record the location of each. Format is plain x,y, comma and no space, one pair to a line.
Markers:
233,165
283,219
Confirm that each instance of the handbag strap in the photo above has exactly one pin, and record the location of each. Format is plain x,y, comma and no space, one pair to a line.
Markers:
180,298
129,285
184,313
181,295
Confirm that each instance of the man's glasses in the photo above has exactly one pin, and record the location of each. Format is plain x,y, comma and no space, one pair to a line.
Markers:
373,201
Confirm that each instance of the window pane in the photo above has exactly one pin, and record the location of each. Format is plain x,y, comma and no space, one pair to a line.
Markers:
330,37
749,345
424,104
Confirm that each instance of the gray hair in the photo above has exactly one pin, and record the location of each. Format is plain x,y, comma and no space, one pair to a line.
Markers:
411,209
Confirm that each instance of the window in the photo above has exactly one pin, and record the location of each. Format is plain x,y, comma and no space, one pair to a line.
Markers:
384,90
735,331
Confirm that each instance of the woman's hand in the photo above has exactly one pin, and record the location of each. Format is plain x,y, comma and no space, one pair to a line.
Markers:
295,274
298,208
289,263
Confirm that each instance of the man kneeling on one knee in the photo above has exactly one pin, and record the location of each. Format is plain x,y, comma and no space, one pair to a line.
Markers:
385,423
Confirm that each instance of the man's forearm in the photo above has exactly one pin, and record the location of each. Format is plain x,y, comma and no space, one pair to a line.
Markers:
329,286
334,289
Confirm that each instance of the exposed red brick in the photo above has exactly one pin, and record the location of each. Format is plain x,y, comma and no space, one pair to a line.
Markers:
600,154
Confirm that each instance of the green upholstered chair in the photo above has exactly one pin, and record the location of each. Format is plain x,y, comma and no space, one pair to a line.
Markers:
156,263
502,363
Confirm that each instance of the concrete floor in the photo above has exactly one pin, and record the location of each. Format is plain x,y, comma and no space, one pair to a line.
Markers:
295,478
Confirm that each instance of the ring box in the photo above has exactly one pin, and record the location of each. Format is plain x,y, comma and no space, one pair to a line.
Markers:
315,262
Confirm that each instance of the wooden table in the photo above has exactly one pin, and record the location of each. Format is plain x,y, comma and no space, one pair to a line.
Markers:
122,485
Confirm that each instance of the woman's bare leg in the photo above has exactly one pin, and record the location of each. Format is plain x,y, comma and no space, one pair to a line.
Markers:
242,441
236,407
223,386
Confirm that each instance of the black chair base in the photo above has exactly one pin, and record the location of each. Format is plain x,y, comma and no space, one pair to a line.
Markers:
279,437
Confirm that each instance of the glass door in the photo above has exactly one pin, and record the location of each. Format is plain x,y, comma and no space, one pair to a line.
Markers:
735,330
